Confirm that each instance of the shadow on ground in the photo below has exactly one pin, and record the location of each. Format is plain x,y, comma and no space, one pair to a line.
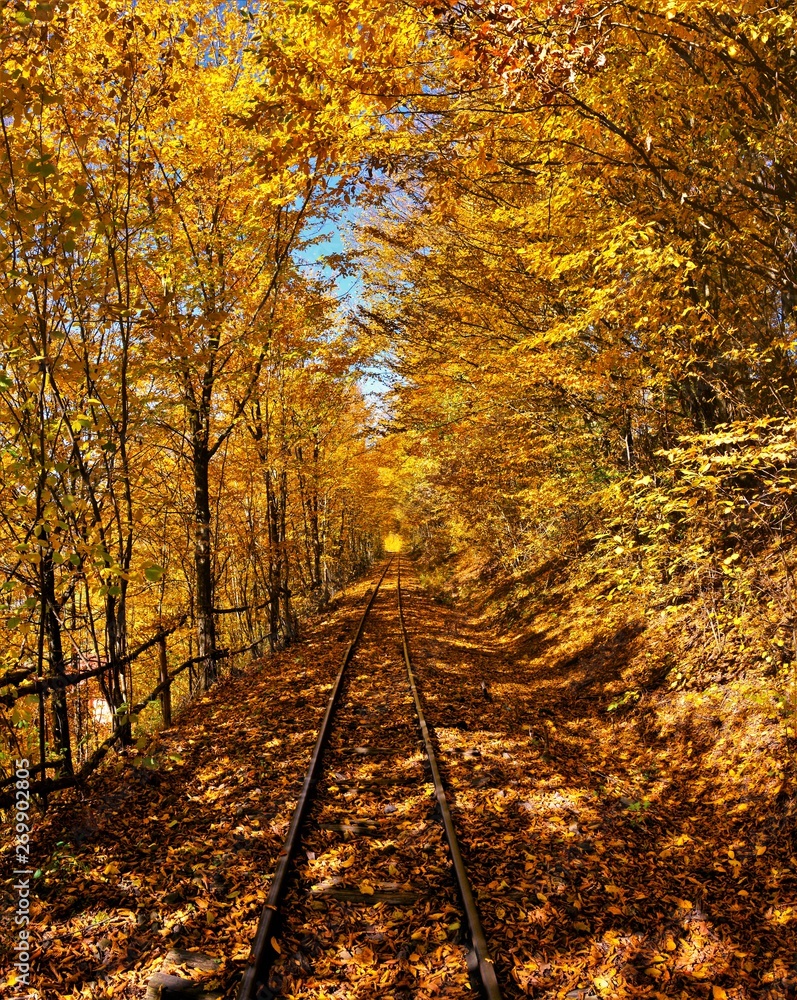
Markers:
615,843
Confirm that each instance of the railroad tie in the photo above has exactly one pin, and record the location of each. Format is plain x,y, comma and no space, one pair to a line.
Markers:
390,893
368,751
362,828
167,986
366,784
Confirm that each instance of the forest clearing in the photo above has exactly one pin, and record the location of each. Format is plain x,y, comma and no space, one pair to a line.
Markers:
398,455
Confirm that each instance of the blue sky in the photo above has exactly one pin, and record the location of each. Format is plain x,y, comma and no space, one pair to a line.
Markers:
348,288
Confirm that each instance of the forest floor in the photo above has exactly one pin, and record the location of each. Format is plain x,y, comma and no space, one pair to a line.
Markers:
636,849
179,855
636,839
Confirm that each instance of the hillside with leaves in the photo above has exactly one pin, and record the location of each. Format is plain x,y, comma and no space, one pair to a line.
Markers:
585,296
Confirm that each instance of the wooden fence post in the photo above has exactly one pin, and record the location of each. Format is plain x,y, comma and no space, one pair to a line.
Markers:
166,693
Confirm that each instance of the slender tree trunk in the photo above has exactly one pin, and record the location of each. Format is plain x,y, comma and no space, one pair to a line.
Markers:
274,561
317,545
116,693
315,532
52,627
288,617
203,563
166,694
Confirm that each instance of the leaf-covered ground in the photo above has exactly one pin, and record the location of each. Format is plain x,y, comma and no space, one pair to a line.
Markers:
374,911
626,839
646,850
180,856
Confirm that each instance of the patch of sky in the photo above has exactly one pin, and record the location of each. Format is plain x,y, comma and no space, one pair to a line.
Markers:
325,257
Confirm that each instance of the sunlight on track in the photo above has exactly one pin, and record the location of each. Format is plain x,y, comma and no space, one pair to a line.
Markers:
393,542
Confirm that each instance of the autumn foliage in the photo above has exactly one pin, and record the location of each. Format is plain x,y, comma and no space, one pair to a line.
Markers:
585,280
560,237
574,227
183,447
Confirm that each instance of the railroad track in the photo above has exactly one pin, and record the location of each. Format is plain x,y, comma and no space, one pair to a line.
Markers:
370,887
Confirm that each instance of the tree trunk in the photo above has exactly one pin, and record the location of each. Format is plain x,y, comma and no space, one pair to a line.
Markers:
115,688
166,694
205,621
55,649
289,618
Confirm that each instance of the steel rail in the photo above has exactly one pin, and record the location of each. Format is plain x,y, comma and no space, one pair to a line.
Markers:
262,953
480,964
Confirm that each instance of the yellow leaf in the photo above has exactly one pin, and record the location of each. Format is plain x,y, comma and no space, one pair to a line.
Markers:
275,946
366,889
761,849
111,869
718,993
347,863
